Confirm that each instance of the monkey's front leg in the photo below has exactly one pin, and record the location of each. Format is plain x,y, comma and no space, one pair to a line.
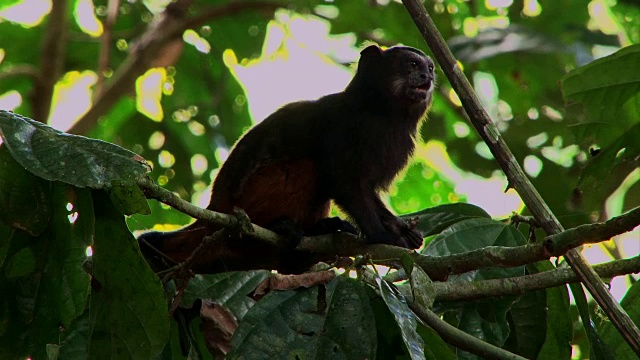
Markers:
374,220
399,227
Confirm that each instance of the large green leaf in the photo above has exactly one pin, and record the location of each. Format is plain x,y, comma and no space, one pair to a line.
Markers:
609,92
230,289
559,323
332,321
476,233
528,330
619,347
404,317
486,320
46,287
76,160
129,315
24,198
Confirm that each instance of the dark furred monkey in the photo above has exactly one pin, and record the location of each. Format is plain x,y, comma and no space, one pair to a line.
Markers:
343,147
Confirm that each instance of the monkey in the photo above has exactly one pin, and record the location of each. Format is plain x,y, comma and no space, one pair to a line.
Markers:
344,147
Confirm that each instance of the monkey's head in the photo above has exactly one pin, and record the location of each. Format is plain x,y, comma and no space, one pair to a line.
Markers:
402,72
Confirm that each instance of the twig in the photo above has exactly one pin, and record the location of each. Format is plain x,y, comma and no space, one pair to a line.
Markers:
458,291
591,233
153,191
21,70
459,338
516,218
105,44
449,333
52,59
516,176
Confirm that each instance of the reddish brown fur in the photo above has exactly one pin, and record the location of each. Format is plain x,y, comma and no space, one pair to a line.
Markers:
284,190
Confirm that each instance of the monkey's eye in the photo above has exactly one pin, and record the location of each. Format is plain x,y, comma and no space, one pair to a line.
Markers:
413,64
431,67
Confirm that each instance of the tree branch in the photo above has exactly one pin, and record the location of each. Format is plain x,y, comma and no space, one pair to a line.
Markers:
345,244
21,70
105,44
448,333
459,338
171,26
593,233
52,59
517,178
456,291
154,191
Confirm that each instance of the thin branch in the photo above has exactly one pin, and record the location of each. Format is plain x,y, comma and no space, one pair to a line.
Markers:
105,44
516,176
457,291
170,26
459,338
592,233
345,244
52,59
153,191
21,70
448,333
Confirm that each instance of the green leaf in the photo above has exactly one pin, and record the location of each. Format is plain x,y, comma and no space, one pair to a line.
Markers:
473,234
332,321
557,344
486,321
598,348
129,318
65,284
433,220
404,318
608,93
21,264
528,325
620,348
129,199
230,290
46,285
76,160
421,284
74,345
435,348
24,198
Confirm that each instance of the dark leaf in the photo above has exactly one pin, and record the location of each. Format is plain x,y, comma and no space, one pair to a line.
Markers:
619,347
230,289
129,317
75,160
24,198
322,322
433,220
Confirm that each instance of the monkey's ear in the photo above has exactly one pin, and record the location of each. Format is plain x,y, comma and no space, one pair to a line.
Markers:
371,50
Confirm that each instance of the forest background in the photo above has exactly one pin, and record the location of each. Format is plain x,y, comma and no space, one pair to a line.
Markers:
112,70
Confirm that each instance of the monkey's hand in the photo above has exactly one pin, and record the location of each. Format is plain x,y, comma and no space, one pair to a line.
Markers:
405,234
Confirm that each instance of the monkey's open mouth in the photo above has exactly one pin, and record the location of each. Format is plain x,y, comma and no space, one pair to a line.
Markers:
424,87
422,90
